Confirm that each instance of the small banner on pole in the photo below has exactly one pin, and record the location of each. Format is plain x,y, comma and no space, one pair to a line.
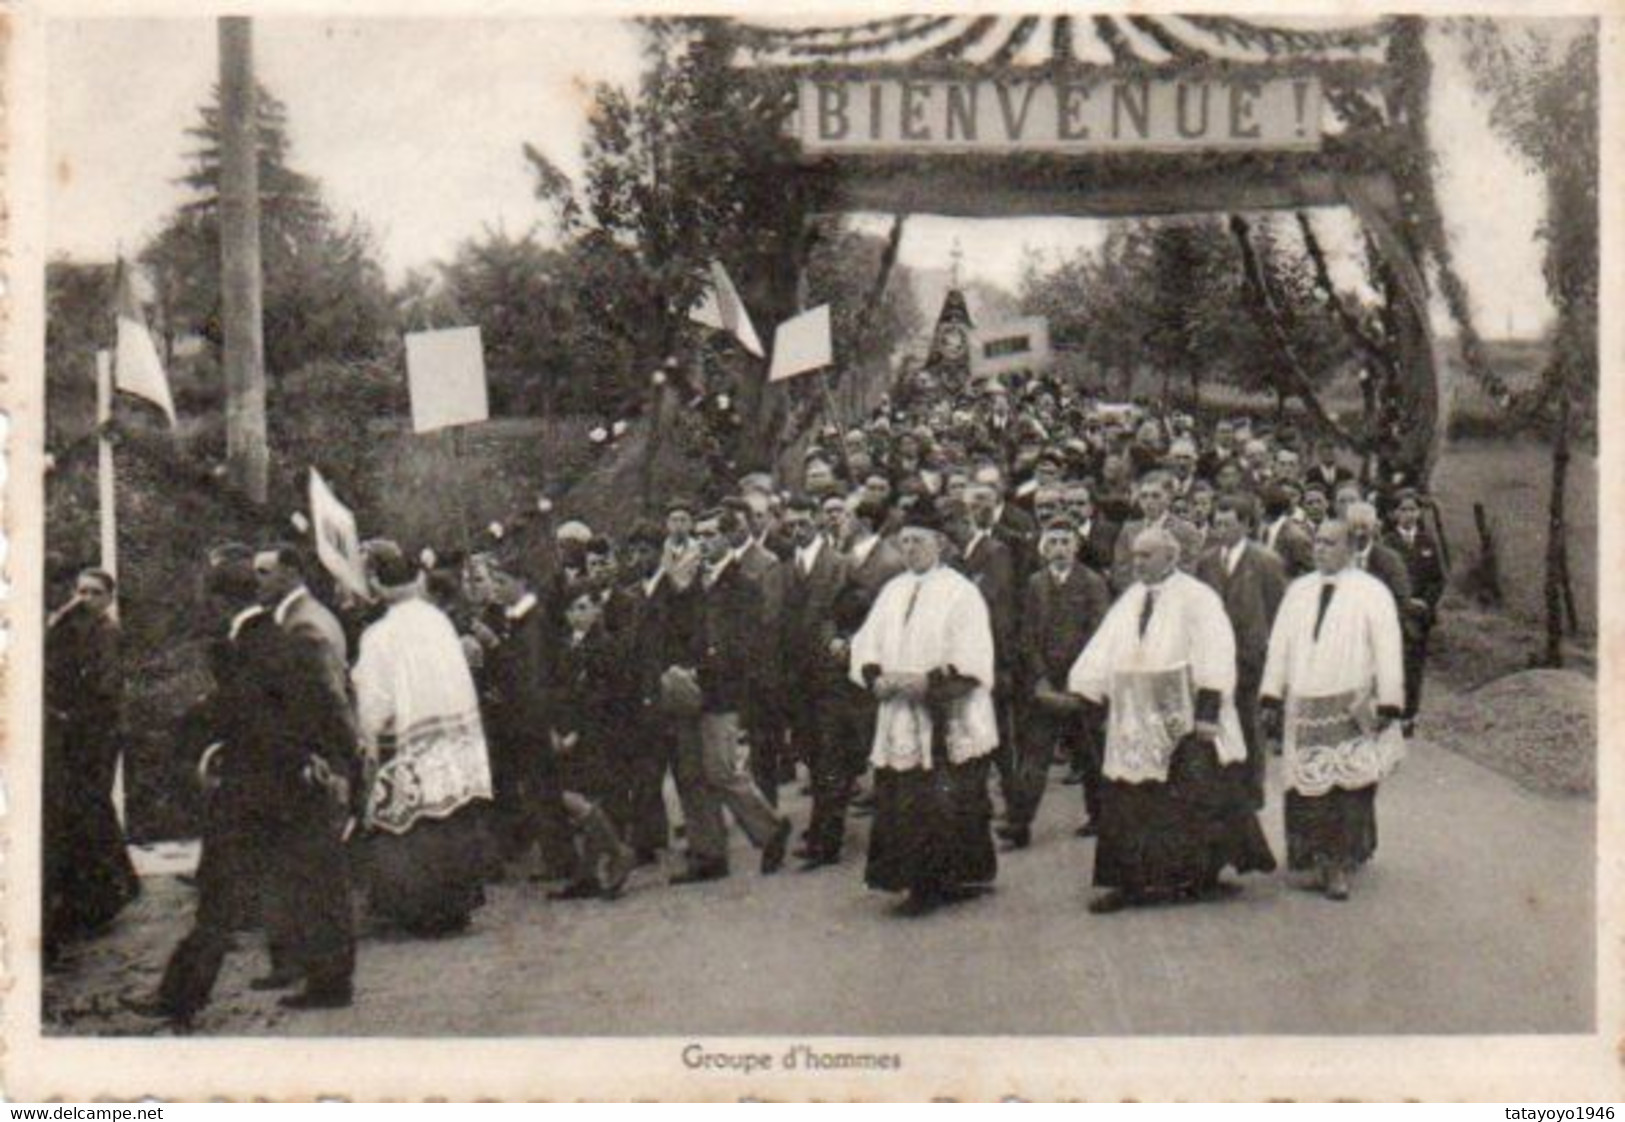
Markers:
1016,344
721,308
802,344
338,545
138,370
446,373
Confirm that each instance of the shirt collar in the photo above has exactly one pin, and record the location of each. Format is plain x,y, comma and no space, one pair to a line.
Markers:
861,550
286,606
242,617
808,554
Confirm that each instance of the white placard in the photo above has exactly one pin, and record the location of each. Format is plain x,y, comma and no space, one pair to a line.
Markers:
1017,344
802,344
446,373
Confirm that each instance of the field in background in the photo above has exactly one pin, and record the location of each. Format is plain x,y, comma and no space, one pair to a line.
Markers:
1511,478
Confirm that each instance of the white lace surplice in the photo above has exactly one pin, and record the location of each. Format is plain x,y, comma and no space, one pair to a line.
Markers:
416,704
1152,680
1333,685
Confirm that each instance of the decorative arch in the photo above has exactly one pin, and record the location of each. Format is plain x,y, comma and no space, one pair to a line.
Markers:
1368,149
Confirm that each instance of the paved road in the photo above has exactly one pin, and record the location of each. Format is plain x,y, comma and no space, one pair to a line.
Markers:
1477,916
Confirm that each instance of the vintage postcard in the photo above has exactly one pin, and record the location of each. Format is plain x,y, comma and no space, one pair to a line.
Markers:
645,552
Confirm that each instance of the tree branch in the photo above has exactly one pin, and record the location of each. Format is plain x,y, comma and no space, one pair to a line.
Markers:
1363,342
1296,380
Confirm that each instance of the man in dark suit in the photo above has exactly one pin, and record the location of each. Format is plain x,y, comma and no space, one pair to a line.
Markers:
1154,497
706,689
990,563
283,773
1064,603
1325,471
1097,535
1283,536
280,570
872,560
1011,524
1365,532
767,717
526,795
1251,581
815,676
1424,564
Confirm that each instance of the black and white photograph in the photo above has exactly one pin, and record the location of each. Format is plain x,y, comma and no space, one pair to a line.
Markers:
889,536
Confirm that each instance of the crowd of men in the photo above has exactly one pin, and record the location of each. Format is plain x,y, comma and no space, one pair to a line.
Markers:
980,585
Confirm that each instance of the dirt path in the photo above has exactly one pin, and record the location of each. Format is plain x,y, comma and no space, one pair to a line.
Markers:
1476,916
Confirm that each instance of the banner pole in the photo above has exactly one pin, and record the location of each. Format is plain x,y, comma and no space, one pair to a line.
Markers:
107,516
454,447
106,493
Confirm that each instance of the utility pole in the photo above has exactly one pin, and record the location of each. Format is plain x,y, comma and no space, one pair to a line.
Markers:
246,454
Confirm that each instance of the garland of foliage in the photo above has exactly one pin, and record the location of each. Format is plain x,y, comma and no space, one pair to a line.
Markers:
1375,351
1341,155
1294,379
1420,212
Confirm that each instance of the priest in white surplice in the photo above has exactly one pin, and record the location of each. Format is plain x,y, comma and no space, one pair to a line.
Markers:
1174,804
1334,685
428,773
926,653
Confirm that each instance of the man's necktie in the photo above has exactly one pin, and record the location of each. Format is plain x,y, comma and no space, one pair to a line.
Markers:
1146,609
1326,592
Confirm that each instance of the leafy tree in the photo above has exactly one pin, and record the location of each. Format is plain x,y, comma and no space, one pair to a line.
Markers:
688,169
1171,296
841,271
1543,92
78,321
556,321
324,293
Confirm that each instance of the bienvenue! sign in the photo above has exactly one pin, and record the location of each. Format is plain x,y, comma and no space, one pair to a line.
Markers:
929,114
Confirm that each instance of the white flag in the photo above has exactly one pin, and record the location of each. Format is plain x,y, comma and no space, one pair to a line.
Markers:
802,344
338,546
136,368
722,309
446,373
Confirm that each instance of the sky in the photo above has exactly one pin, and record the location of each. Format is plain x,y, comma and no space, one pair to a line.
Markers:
417,127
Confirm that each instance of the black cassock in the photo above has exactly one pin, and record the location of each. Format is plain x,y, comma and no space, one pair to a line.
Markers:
932,831
87,876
